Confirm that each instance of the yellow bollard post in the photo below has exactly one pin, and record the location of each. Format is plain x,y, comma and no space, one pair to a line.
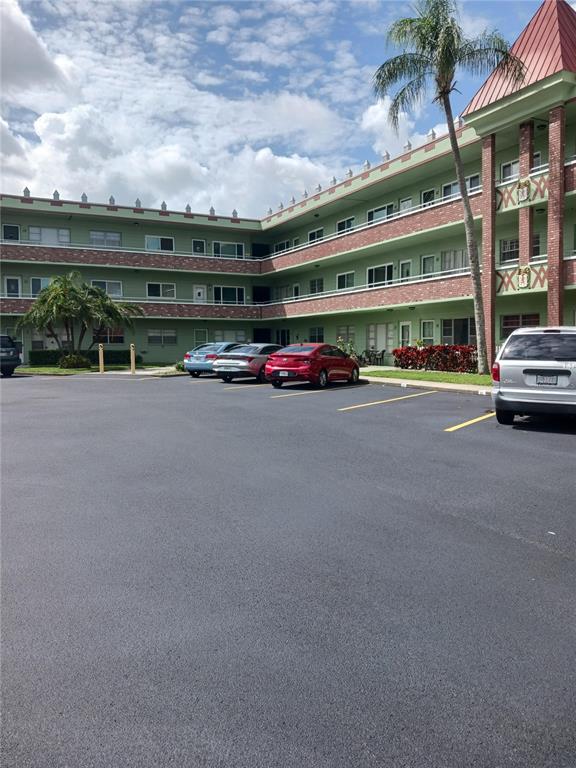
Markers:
101,357
132,358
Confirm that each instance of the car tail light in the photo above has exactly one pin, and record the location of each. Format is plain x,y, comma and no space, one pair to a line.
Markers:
187,356
211,356
496,372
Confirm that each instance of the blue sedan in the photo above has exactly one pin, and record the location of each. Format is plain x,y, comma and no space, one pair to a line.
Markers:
201,359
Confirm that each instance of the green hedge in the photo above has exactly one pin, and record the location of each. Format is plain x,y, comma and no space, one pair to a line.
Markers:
52,356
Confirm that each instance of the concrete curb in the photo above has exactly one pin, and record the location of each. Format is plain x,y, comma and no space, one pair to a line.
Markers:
468,388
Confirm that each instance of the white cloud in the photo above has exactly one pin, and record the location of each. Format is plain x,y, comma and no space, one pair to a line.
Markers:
374,122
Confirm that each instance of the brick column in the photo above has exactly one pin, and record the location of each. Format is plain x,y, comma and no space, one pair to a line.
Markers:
556,151
489,241
526,212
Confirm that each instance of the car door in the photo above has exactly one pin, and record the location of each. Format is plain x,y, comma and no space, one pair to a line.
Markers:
330,362
342,364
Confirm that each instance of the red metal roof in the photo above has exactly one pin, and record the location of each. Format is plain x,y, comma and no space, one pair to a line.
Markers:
546,46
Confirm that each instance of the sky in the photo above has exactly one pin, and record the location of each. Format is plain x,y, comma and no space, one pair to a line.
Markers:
235,105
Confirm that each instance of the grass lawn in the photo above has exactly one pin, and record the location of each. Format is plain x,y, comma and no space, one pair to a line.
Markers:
442,376
54,370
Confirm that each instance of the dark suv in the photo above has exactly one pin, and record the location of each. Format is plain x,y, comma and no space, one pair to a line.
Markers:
9,355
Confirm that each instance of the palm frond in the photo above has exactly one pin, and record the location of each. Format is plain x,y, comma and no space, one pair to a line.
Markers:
406,66
490,51
407,98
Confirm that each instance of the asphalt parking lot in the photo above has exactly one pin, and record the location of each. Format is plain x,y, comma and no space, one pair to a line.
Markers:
232,576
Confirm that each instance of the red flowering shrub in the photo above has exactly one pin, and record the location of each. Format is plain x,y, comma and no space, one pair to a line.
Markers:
460,358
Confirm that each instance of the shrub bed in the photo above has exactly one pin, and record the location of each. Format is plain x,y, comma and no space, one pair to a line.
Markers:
53,356
74,361
459,358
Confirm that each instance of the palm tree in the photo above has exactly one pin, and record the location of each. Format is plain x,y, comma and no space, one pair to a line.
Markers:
434,49
73,305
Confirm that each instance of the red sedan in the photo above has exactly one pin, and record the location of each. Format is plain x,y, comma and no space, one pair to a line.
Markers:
316,363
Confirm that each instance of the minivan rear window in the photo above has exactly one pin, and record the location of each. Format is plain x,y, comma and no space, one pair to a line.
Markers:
296,349
541,346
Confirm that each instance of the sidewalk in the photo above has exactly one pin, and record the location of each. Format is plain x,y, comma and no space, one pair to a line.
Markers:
162,371
478,389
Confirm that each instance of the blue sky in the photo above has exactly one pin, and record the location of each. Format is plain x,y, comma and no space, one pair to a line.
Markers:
232,104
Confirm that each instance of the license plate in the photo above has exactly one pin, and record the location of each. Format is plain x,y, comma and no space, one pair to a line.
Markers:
222,368
547,380
283,373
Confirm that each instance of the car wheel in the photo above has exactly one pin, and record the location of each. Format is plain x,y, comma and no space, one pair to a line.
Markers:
7,372
227,379
195,374
323,379
276,384
354,376
504,417
261,378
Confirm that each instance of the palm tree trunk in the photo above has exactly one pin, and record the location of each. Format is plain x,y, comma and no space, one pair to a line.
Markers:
53,335
471,242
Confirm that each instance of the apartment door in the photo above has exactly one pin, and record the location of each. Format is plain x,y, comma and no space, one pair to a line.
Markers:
199,294
283,337
385,337
405,334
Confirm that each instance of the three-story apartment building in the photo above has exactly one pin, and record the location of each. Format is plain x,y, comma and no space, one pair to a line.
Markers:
378,258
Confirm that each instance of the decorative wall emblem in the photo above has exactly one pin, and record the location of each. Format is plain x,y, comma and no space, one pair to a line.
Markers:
523,191
523,276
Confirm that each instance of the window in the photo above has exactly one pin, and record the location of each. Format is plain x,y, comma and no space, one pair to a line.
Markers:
406,204
12,287
456,259
316,334
536,160
111,287
405,334
345,224
510,170
233,335
316,234
381,274
296,242
105,239
536,247
199,246
509,250
10,232
405,269
510,323
427,332
345,280
554,347
473,182
347,333
48,235
384,212
459,331
450,190
296,290
162,337
427,197
162,290
283,246
228,250
427,265
154,243
38,284
228,294
108,335
317,285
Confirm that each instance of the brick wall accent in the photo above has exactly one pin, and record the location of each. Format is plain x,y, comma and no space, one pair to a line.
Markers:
556,151
428,218
415,293
526,212
89,256
489,241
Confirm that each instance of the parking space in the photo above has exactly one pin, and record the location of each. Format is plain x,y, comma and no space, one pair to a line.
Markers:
241,560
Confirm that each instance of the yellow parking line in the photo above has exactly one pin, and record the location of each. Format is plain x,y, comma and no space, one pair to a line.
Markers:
390,400
469,423
315,392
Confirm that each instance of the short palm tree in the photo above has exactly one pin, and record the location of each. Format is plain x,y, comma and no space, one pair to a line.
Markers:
74,306
434,49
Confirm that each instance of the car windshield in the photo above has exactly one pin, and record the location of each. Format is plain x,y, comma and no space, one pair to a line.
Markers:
296,349
541,346
245,350
6,341
206,348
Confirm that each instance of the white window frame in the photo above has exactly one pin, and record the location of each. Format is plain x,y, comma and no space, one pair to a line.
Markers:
345,221
405,324
385,207
233,287
315,232
296,290
159,237
106,332
59,230
400,265
161,332
402,207
467,180
345,274
451,251
12,277
296,242
427,256
35,277
220,333
198,240
200,336
422,322
380,266
113,295
510,163
425,192
313,280
220,243
347,333
148,284
105,233
284,245
509,250
310,334
7,224
534,156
